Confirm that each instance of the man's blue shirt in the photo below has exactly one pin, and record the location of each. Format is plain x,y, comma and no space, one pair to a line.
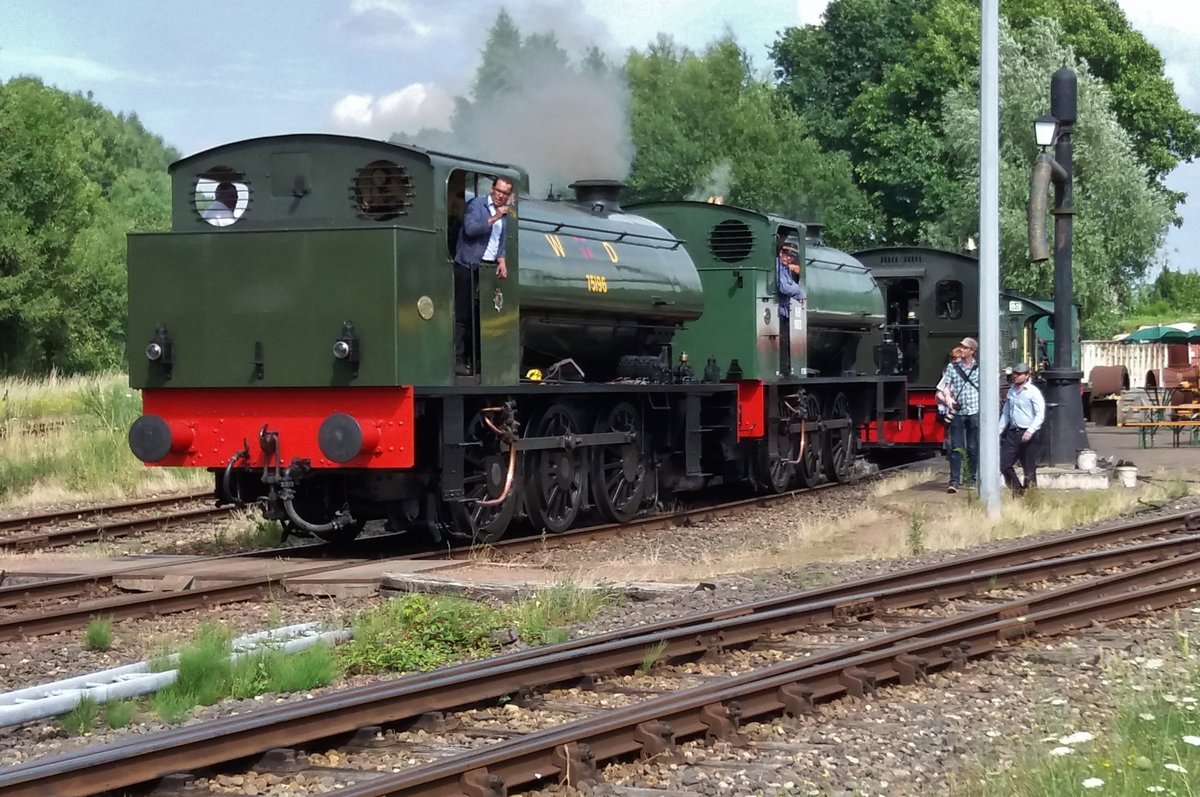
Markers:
789,288
1024,408
475,233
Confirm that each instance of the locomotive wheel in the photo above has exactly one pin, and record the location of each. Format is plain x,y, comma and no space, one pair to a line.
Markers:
618,472
777,471
811,469
556,478
485,468
840,444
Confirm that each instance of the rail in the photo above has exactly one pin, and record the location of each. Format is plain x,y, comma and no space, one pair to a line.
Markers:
904,655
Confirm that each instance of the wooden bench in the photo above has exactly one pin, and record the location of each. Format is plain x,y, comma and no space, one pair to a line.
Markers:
1149,418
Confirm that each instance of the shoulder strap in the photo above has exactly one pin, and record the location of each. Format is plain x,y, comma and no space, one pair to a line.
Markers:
964,375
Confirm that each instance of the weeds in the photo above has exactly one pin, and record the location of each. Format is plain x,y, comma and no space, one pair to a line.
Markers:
81,719
119,713
99,634
915,536
1150,745
207,674
296,672
542,619
419,632
70,433
651,656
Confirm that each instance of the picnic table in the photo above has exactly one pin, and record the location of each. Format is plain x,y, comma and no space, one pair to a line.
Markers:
1179,419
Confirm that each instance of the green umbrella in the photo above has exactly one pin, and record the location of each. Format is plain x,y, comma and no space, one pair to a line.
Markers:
1157,334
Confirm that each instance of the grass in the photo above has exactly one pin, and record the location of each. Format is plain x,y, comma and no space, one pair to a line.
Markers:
423,632
82,719
242,532
119,713
898,482
652,655
915,537
542,619
883,527
419,632
65,437
207,674
1152,746
99,634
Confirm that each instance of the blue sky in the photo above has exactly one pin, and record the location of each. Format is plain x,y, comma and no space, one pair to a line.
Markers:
204,74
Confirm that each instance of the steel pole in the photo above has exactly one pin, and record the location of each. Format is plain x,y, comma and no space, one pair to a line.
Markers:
1064,407
989,257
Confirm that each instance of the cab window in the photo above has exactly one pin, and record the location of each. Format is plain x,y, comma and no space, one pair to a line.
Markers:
949,299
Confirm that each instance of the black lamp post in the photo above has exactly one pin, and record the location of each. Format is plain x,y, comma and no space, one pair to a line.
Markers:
1064,422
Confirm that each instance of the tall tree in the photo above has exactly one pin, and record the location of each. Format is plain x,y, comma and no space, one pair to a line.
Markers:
870,81
74,179
703,124
1120,216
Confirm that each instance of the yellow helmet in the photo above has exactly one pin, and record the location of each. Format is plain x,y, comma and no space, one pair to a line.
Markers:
534,375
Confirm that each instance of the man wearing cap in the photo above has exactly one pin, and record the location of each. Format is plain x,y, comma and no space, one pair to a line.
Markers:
1020,421
787,279
962,380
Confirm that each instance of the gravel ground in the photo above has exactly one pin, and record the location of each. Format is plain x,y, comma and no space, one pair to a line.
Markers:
903,741
925,739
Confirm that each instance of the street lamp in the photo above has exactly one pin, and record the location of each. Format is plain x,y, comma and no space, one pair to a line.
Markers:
1066,431
1045,130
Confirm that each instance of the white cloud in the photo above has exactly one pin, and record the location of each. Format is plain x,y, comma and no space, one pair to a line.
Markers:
413,107
391,23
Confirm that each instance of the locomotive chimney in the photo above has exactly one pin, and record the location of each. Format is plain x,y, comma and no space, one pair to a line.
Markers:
602,196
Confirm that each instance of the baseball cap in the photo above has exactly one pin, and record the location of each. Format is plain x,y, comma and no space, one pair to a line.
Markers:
970,343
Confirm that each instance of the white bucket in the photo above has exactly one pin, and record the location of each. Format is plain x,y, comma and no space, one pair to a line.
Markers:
1126,475
1085,459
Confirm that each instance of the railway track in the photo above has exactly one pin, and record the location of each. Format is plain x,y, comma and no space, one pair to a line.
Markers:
73,526
36,622
1159,573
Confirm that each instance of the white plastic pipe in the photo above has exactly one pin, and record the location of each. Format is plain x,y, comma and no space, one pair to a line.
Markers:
131,680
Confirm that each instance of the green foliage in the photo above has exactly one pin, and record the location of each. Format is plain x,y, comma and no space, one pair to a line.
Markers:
1152,745
205,673
1161,131
1173,296
251,675
172,706
704,125
542,619
532,106
74,178
119,713
81,719
419,632
275,671
424,632
915,536
652,655
314,666
1121,217
894,84
72,432
99,634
